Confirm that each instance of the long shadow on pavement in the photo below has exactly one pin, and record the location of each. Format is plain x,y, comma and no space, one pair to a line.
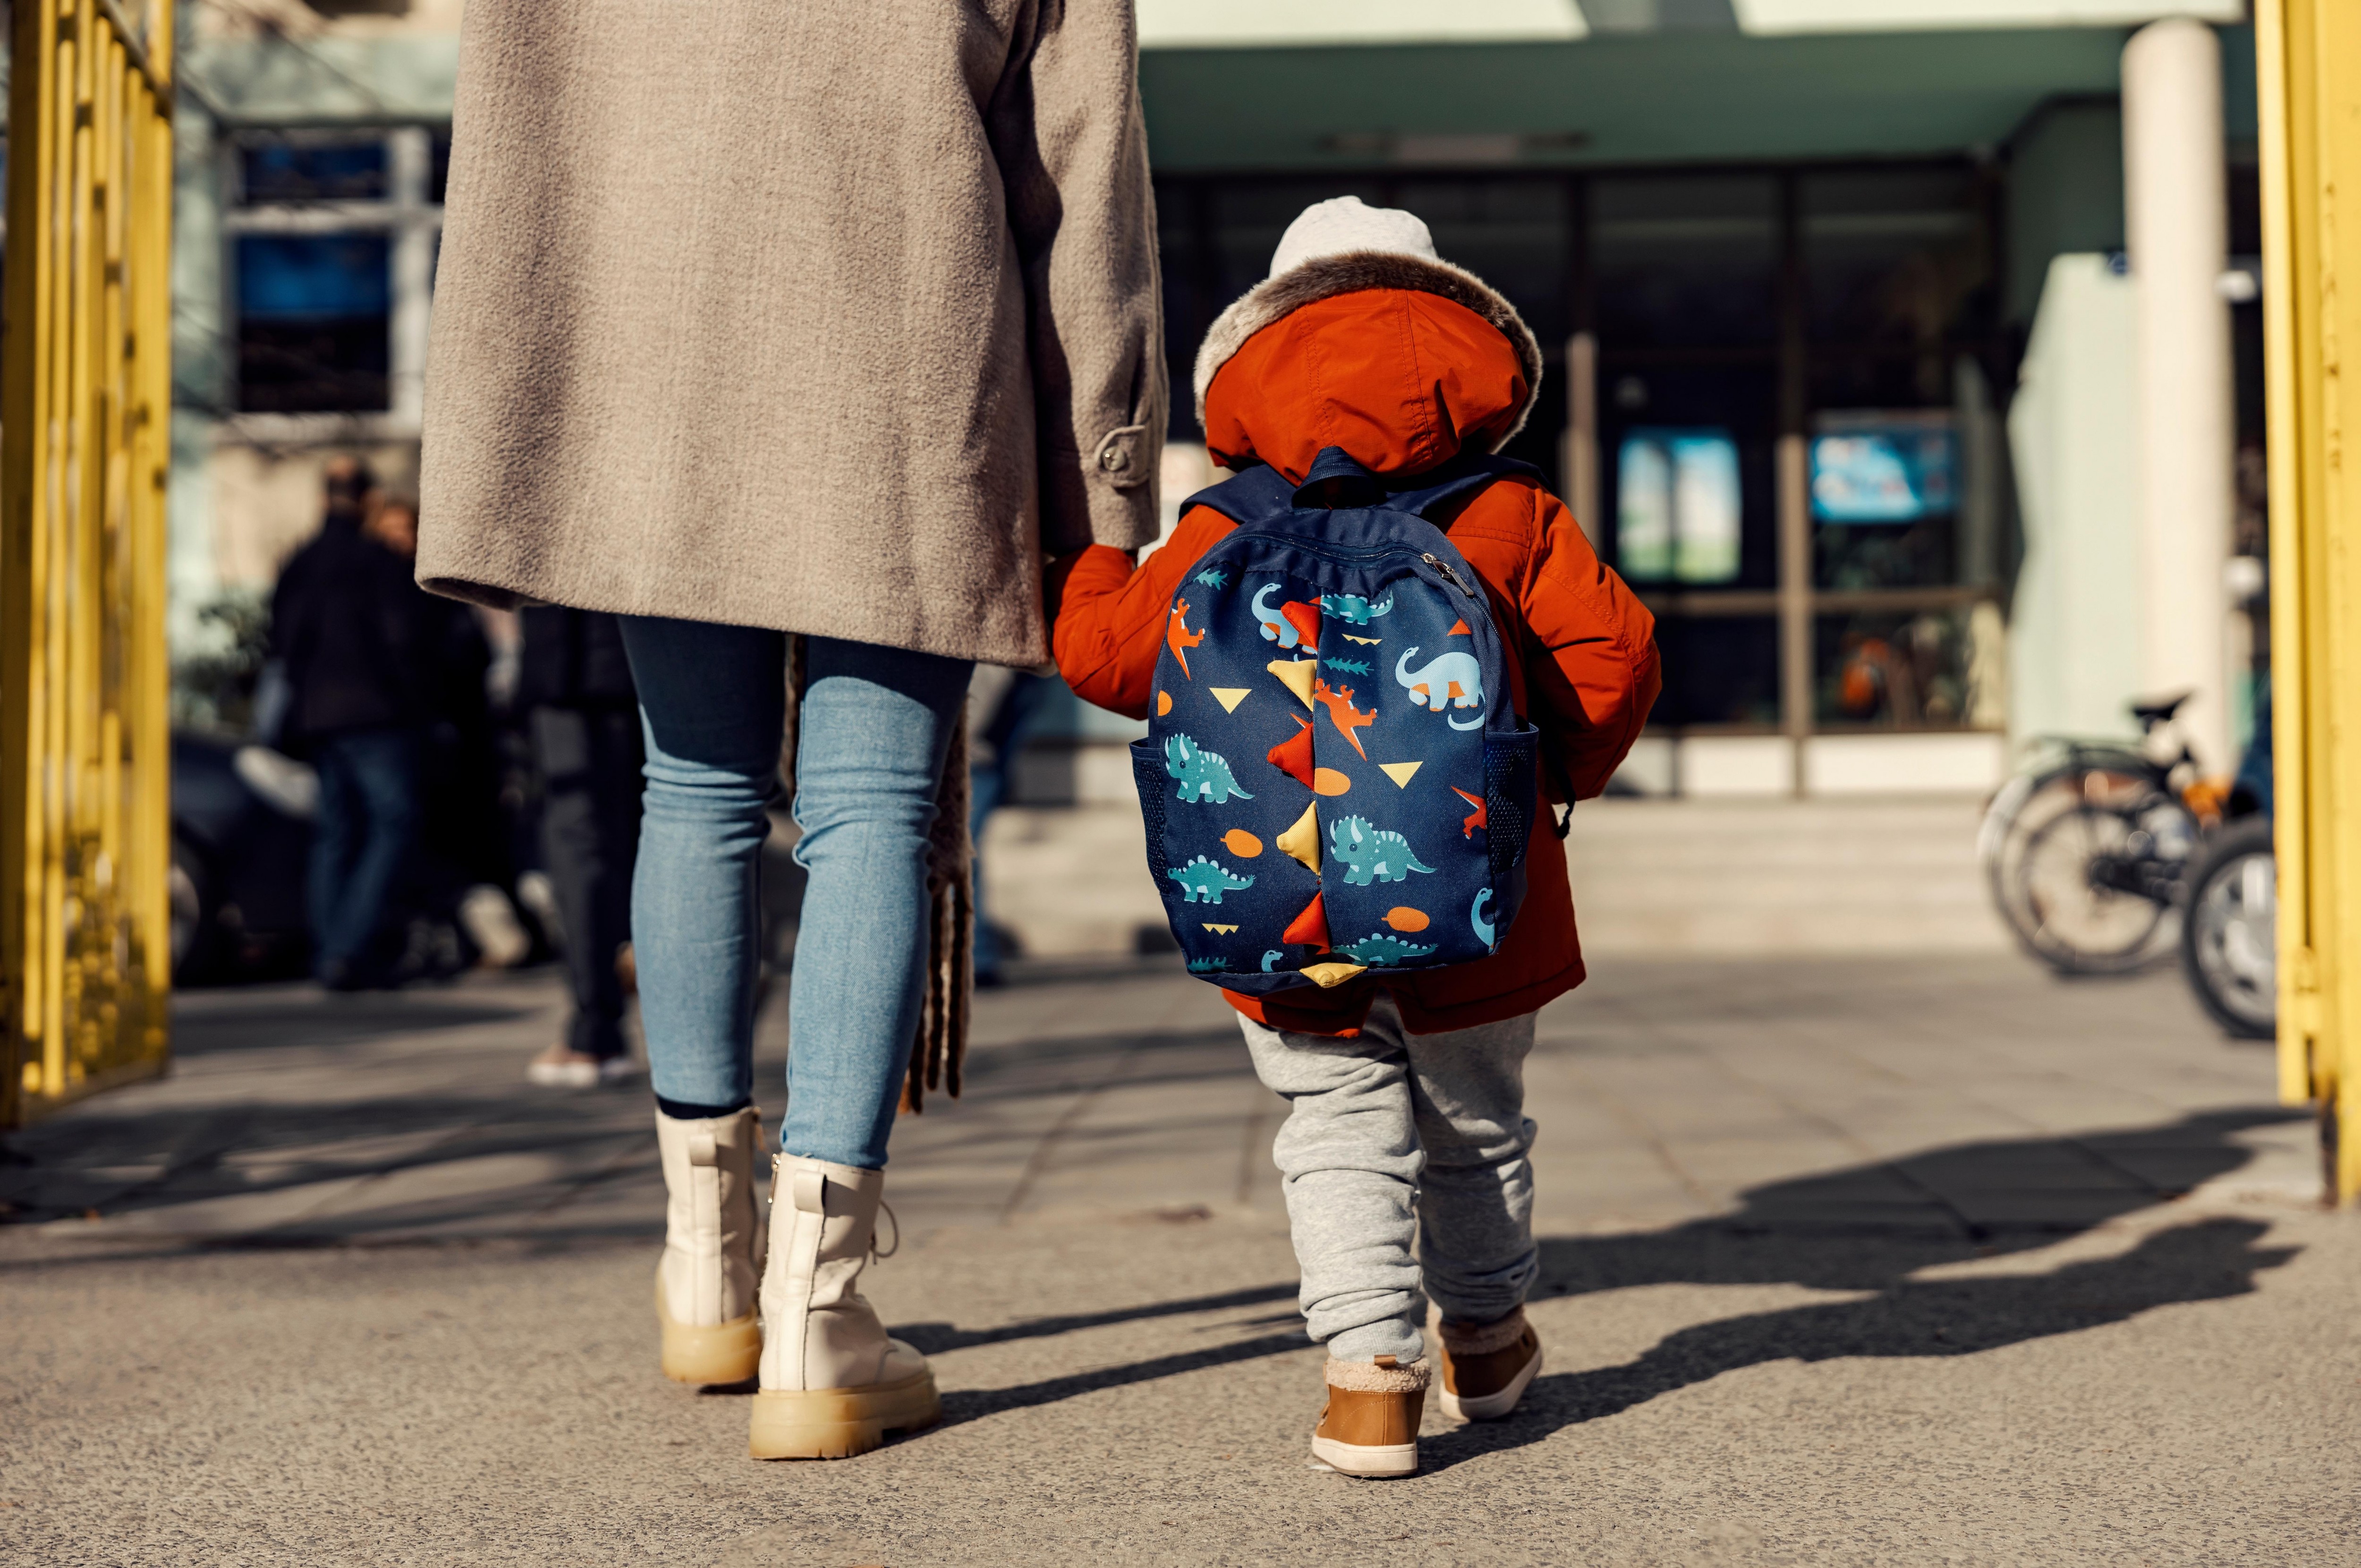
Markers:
2205,1261
1863,1228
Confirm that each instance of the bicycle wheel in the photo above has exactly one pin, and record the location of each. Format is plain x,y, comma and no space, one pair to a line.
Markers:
2229,937
2073,922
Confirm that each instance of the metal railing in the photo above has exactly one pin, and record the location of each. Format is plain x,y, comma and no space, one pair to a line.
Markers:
85,397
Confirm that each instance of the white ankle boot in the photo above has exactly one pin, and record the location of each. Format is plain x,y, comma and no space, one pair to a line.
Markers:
713,1248
834,1383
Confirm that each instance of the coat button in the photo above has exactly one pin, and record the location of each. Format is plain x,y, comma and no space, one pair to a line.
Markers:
1114,460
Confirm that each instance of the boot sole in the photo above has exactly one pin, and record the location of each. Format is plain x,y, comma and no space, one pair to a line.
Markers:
1490,1407
718,1353
1370,1461
837,1423
726,1352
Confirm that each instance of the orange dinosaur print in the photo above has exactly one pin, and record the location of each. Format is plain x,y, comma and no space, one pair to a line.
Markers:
1474,819
1341,711
1180,638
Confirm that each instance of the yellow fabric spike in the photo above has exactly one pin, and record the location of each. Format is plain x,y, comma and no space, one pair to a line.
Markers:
1230,697
1297,675
1220,930
1399,771
1335,972
1302,841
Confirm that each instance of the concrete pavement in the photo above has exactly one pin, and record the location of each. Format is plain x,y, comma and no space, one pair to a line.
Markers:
1874,1260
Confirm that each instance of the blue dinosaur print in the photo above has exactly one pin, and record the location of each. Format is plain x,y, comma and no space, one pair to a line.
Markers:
1348,666
1353,607
1215,579
1370,853
1381,948
1208,966
1205,776
1482,927
1270,959
1205,881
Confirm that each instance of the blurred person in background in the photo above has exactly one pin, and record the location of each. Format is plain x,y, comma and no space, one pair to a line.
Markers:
345,623
574,689
456,900
747,398
1002,707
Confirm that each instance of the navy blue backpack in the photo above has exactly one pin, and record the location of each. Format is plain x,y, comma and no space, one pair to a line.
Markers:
1333,778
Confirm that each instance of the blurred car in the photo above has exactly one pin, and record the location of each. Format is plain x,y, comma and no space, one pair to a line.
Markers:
241,837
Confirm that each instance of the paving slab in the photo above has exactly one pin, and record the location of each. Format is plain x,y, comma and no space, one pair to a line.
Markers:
1926,1260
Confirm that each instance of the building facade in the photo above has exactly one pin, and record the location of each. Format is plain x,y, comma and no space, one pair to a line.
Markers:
1785,259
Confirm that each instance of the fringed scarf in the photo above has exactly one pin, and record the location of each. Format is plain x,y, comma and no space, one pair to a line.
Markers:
941,1046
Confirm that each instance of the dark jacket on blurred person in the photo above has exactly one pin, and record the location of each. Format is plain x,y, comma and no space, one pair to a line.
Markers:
857,317
345,620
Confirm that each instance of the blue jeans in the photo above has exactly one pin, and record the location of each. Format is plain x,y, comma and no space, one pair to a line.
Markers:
875,728
367,823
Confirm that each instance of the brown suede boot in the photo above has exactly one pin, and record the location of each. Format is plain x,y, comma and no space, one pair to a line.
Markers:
1371,1425
1485,1366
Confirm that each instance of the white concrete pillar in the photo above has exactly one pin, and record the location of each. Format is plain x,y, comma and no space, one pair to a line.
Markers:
2176,224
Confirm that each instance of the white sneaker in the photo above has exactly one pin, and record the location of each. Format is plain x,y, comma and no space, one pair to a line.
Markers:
559,1068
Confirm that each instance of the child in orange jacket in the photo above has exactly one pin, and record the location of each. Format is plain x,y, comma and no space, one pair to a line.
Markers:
1406,1091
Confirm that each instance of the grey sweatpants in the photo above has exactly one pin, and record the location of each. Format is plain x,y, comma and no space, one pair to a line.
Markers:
1395,1141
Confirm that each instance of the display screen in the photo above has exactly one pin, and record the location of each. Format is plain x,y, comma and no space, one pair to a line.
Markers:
1676,506
1866,472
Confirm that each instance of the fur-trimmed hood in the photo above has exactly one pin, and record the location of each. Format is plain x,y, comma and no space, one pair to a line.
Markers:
1324,278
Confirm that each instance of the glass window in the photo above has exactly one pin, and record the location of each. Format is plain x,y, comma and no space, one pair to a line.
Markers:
1884,499
1890,256
1719,670
1676,506
1685,262
308,171
314,318
1908,669
1643,402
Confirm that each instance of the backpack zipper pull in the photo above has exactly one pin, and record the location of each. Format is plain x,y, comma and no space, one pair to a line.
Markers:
1444,567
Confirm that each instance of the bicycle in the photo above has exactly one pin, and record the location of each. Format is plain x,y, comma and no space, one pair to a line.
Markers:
2088,852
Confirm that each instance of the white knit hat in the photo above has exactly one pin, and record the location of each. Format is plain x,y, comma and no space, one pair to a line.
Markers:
1343,247
1342,224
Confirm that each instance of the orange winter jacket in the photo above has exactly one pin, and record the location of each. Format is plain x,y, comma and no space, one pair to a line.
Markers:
1403,379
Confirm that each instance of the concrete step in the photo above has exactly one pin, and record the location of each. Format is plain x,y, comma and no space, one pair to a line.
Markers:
1681,876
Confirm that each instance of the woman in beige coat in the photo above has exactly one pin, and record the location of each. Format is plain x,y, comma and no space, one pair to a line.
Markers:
821,321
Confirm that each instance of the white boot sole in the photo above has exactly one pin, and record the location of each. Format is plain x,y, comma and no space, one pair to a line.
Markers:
1490,1407
1366,1458
837,1423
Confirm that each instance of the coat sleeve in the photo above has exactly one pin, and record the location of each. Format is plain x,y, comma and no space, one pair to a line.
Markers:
1107,616
1066,130
1596,676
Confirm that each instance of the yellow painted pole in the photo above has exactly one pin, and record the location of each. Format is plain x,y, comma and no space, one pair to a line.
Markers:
2309,70
85,835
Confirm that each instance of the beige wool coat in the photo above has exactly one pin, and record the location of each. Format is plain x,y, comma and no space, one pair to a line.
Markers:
819,315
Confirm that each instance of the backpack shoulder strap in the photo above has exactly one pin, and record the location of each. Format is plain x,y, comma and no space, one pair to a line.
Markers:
1262,493
1258,495
1463,476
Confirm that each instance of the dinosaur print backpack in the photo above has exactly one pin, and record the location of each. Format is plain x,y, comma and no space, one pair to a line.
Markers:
1333,779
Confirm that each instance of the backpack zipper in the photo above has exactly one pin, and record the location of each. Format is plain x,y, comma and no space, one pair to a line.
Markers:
1362,554
1444,567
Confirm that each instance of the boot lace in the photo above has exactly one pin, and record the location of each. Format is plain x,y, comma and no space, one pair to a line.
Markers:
875,1256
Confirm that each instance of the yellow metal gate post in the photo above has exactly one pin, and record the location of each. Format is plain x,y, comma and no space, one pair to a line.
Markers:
85,397
2308,64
